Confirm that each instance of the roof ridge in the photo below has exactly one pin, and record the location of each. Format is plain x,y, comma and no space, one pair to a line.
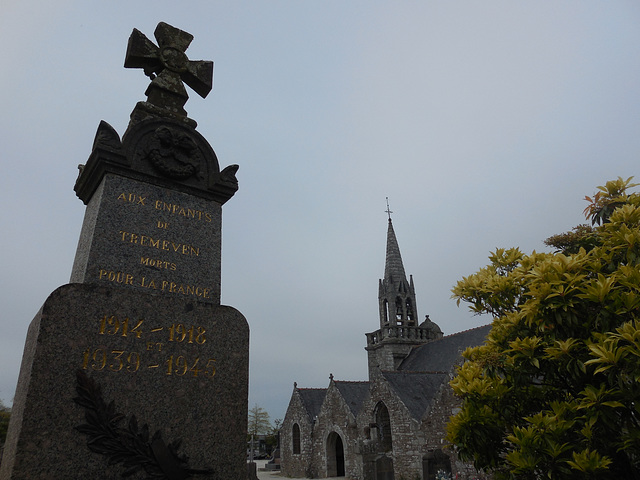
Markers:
464,331
311,388
416,371
351,381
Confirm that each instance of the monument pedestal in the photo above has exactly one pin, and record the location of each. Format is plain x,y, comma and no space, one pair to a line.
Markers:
177,366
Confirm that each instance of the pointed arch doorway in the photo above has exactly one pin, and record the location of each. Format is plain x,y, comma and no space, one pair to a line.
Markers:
335,456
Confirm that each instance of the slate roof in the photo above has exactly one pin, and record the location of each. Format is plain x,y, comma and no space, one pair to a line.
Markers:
441,355
353,393
312,399
415,389
421,375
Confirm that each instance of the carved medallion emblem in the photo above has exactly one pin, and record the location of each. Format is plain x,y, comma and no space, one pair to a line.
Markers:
173,154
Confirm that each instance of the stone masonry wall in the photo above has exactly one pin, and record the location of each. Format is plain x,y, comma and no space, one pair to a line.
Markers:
434,427
407,439
335,416
296,465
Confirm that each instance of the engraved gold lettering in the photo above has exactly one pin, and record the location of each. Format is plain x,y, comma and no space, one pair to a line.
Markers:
99,359
180,366
164,225
210,370
112,322
173,287
116,356
116,360
111,325
191,334
118,277
138,328
178,333
132,198
194,368
85,358
152,262
160,244
176,209
200,338
134,361
156,346
148,284
103,325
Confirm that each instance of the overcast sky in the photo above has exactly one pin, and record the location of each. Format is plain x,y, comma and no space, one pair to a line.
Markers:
484,122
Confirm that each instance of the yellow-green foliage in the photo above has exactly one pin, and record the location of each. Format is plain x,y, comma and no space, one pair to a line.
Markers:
555,391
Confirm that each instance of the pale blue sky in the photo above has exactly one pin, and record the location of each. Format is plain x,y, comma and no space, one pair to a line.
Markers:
484,122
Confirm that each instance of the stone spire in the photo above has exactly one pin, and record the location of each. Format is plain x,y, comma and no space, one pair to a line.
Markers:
394,268
396,295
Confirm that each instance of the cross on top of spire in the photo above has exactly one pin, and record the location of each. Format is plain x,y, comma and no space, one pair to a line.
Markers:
389,212
168,67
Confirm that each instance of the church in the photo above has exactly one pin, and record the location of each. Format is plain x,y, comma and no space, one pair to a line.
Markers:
393,425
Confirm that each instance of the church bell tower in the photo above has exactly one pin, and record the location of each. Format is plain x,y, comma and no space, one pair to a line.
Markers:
399,330
396,296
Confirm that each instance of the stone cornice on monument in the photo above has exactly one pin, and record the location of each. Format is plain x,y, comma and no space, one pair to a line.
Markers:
161,151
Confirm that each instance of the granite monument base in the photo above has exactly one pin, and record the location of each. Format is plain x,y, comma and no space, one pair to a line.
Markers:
115,381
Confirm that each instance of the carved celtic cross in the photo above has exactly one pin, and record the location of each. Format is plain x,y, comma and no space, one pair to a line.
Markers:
168,67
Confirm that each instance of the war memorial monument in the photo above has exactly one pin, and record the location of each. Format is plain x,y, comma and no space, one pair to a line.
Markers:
134,369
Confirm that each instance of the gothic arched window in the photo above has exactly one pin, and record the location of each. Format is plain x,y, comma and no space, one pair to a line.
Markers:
383,422
410,317
399,309
295,436
385,312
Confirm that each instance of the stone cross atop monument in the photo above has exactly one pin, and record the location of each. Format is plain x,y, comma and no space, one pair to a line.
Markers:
168,67
154,198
